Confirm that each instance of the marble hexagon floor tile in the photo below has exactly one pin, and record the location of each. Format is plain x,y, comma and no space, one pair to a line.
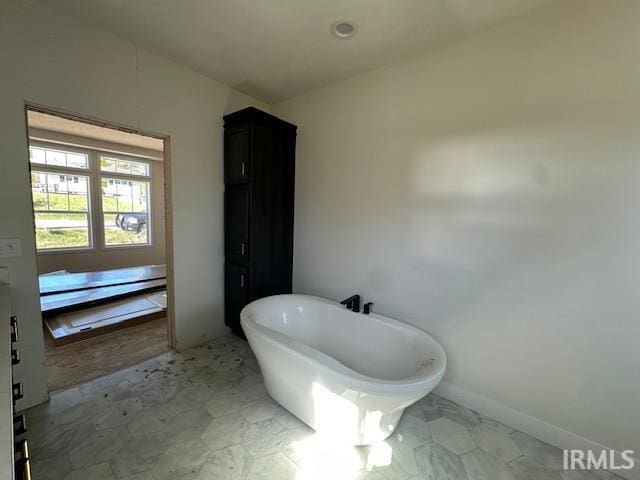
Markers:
459,414
253,387
68,440
495,443
101,471
451,435
187,425
99,447
264,408
181,461
435,462
264,438
271,467
231,463
138,454
482,466
151,419
524,468
225,431
226,401
53,468
543,453
205,414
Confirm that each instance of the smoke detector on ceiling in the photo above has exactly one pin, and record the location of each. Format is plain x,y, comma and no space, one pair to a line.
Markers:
344,29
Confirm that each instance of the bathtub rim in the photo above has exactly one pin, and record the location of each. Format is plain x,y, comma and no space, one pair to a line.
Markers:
346,375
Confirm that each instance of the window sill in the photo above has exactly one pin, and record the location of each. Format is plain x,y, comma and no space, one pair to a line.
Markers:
63,251
120,247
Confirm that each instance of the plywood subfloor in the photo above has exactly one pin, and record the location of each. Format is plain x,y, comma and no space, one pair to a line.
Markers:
75,363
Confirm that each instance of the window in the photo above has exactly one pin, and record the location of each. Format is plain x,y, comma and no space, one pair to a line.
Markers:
62,182
58,158
125,206
126,167
61,209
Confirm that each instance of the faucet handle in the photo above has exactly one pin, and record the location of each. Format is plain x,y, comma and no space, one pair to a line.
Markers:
366,309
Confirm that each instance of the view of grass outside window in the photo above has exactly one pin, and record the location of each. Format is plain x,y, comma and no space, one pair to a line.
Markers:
125,201
61,186
61,209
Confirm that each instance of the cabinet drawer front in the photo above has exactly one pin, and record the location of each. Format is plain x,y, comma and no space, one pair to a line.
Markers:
236,228
237,155
236,293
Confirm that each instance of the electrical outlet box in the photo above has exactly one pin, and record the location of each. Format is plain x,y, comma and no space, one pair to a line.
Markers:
10,247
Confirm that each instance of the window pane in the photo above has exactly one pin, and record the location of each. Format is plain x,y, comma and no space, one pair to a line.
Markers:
52,191
62,230
126,167
125,204
107,164
54,157
76,160
58,158
61,206
125,228
36,155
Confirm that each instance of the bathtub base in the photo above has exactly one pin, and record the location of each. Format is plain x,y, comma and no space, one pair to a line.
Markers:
348,416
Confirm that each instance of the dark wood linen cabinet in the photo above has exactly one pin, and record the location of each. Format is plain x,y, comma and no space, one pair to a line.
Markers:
259,174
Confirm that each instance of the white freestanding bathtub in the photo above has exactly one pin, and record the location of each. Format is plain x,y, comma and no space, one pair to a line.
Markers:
342,373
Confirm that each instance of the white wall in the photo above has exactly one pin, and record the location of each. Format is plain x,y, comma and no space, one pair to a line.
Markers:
487,192
59,62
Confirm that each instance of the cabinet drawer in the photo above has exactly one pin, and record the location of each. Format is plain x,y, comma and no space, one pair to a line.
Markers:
236,294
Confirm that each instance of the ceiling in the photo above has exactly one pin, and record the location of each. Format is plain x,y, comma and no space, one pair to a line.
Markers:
276,49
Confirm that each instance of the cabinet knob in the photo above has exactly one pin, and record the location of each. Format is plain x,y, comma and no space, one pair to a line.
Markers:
22,451
243,248
23,468
242,280
14,329
15,356
19,425
23,472
17,391
243,169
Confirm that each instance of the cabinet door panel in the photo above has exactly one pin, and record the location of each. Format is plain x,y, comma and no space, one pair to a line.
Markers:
236,294
236,241
237,155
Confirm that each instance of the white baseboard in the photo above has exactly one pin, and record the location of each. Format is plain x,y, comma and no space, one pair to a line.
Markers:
535,427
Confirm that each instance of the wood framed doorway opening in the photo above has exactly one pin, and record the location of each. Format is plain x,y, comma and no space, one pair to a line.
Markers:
93,162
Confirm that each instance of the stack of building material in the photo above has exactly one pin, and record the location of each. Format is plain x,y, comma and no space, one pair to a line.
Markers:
79,305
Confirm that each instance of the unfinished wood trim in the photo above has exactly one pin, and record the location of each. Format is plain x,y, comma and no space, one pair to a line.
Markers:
57,138
92,121
168,233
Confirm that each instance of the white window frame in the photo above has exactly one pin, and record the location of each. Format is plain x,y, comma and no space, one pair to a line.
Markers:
97,239
100,174
67,171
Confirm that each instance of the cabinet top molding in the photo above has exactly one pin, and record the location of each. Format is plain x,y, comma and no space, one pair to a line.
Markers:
253,114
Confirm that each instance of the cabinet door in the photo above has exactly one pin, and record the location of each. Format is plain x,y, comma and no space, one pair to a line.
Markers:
236,284
237,153
236,224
